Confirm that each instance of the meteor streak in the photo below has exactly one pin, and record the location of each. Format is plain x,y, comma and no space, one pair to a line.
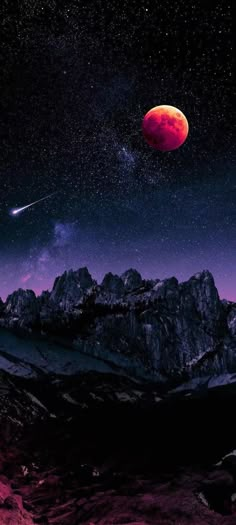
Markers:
15,211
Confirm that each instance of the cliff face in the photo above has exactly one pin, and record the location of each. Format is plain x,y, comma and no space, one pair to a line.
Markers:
78,423
20,305
163,329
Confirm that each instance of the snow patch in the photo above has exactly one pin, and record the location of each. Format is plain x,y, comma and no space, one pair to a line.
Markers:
96,398
125,398
35,400
70,399
157,399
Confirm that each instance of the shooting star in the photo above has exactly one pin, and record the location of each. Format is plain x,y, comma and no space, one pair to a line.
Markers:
15,211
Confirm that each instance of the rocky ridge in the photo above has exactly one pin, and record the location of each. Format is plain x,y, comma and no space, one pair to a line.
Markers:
96,446
162,329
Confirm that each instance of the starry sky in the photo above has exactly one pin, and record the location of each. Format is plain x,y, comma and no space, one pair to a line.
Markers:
77,77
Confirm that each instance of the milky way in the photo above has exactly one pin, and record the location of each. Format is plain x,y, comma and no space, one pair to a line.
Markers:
76,81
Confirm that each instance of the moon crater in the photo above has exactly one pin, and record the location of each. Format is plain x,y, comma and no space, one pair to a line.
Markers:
165,128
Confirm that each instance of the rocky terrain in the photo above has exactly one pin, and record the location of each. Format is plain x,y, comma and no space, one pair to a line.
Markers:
158,330
113,399
101,449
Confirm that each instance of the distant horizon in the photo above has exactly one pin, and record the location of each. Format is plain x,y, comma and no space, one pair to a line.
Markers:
48,287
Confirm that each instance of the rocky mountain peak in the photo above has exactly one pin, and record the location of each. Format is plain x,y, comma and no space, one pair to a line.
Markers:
131,279
85,280
69,288
161,329
113,284
20,302
21,307
202,289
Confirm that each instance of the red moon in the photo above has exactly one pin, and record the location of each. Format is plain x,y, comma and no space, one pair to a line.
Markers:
165,128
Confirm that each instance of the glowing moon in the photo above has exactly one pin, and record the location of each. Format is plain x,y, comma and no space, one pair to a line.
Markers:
165,128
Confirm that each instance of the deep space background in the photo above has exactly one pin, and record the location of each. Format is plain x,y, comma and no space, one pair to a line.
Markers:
76,80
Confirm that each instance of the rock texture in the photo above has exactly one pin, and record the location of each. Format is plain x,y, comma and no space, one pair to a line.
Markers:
100,450
164,330
102,446
21,309
132,280
12,511
70,288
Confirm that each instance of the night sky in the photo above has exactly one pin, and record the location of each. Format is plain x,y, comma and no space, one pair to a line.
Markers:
76,80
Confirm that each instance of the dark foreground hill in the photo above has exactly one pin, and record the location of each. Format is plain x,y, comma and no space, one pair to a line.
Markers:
117,403
101,449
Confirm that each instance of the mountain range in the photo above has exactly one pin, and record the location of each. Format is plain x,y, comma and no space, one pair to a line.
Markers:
160,330
111,400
